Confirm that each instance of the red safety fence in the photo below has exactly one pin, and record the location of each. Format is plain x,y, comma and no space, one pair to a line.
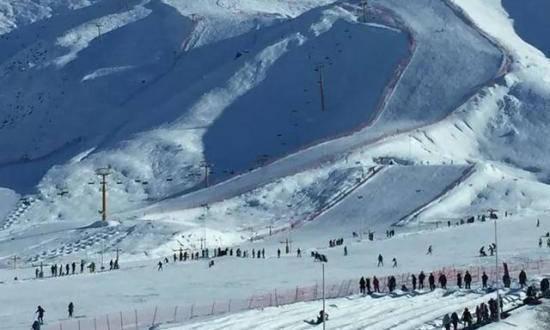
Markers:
148,317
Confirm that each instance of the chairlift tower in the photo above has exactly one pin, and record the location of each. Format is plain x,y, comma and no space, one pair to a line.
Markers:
103,173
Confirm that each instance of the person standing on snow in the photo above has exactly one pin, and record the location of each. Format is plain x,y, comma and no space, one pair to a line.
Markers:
454,320
362,285
459,280
431,281
443,281
413,279
421,278
467,280
484,279
376,284
380,260
522,278
467,318
429,250
394,262
447,322
159,266
70,308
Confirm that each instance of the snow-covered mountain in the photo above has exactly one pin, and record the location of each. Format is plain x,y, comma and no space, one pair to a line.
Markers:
318,118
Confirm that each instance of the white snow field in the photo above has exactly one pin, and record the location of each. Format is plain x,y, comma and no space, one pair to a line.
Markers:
311,120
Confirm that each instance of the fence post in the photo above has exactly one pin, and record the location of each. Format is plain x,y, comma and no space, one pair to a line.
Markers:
229,306
121,322
250,302
270,300
296,296
108,324
191,312
276,299
175,314
60,326
154,316
135,314
213,304
95,324
78,324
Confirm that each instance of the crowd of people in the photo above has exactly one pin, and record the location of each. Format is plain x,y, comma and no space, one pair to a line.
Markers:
72,268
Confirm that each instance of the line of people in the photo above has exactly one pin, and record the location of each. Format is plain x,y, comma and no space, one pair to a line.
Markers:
71,268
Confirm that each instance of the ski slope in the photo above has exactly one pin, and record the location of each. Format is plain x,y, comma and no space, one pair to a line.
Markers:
450,111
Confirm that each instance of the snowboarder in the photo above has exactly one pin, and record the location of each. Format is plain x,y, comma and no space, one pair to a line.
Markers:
459,280
362,285
429,250
431,281
413,279
394,262
375,284
421,278
159,266
522,278
467,318
70,309
447,322
484,279
467,280
380,260
40,311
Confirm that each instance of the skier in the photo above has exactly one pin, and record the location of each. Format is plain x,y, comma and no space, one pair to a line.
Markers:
413,278
159,266
175,257
258,254
548,242
394,262
345,250
71,309
362,285
484,279
111,264
540,242
538,223
421,278
278,253
467,318
263,253
454,320
380,260
442,281
459,280
375,284
431,281
36,325
40,311
299,253
467,280
82,266
479,315
429,250
447,322
522,278
73,267
36,272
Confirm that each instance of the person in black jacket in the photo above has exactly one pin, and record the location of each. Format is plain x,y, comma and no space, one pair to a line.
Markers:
413,279
467,317
421,278
443,281
522,279
467,280
431,281
454,320
362,285
484,279
459,280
